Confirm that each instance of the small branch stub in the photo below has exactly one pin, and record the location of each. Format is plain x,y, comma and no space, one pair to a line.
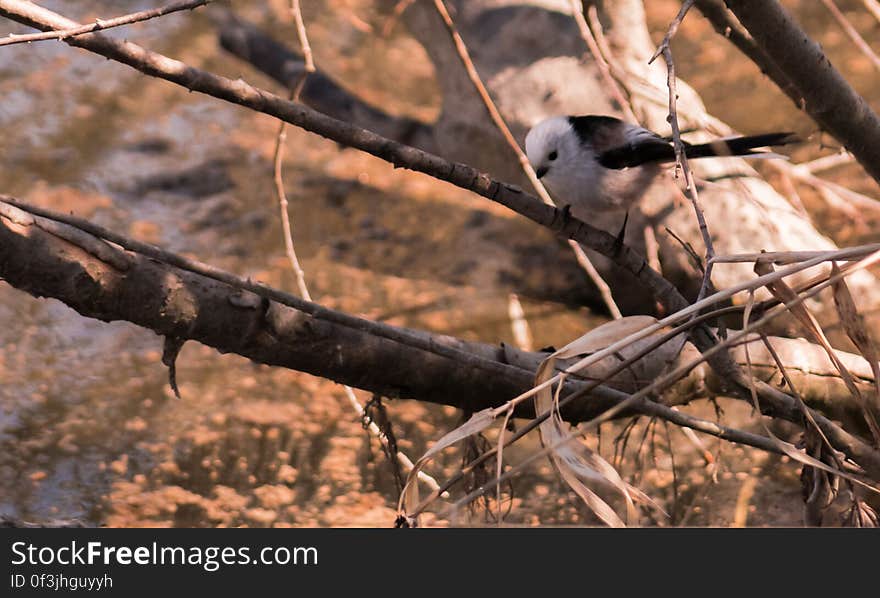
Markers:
170,350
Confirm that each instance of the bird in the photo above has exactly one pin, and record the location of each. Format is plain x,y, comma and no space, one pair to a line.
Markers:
597,164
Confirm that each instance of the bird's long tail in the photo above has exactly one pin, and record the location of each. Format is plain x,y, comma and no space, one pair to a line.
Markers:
740,146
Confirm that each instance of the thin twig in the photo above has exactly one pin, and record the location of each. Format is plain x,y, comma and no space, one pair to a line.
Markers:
289,247
873,7
672,29
854,35
102,24
278,154
641,395
395,15
827,96
860,201
846,254
639,401
463,54
790,192
522,334
726,24
680,156
825,162
577,12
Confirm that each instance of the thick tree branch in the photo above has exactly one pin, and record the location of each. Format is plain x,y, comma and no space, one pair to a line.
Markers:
826,95
400,155
725,23
45,255
176,296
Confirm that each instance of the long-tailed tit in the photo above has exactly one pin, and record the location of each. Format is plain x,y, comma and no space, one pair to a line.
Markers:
598,164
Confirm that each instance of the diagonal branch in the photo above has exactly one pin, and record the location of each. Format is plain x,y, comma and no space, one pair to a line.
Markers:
826,95
853,34
725,23
64,257
102,24
320,90
166,293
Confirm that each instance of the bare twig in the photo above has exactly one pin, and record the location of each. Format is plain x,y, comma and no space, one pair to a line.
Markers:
743,499
102,24
278,154
821,423
726,24
790,192
394,17
859,202
672,29
854,35
825,162
873,7
495,115
133,245
680,157
290,249
645,406
577,12
522,334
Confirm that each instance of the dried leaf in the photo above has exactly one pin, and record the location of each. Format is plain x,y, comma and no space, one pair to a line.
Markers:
602,336
786,294
861,515
855,326
478,422
786,447
576,463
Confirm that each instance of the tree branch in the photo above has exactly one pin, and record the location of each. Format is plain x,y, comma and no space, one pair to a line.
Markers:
725,23
102,24
81,264
59,256
826,95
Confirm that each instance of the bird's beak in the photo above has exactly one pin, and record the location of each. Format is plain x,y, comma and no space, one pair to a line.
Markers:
542,170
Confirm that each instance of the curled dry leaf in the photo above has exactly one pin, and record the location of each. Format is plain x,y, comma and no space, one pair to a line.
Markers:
819,488
787,448
479,421
786,294
861,514
856,329
577,464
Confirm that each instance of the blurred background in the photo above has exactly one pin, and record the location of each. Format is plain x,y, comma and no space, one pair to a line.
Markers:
89,428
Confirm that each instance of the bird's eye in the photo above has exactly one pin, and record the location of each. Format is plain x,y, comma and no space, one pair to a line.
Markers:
553,155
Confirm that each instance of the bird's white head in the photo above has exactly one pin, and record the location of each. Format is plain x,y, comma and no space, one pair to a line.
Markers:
552,146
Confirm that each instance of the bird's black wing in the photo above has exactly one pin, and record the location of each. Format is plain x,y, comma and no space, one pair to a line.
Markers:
642,147
600,132
618,144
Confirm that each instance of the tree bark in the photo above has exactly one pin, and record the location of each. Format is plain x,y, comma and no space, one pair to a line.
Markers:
50,258
826,95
